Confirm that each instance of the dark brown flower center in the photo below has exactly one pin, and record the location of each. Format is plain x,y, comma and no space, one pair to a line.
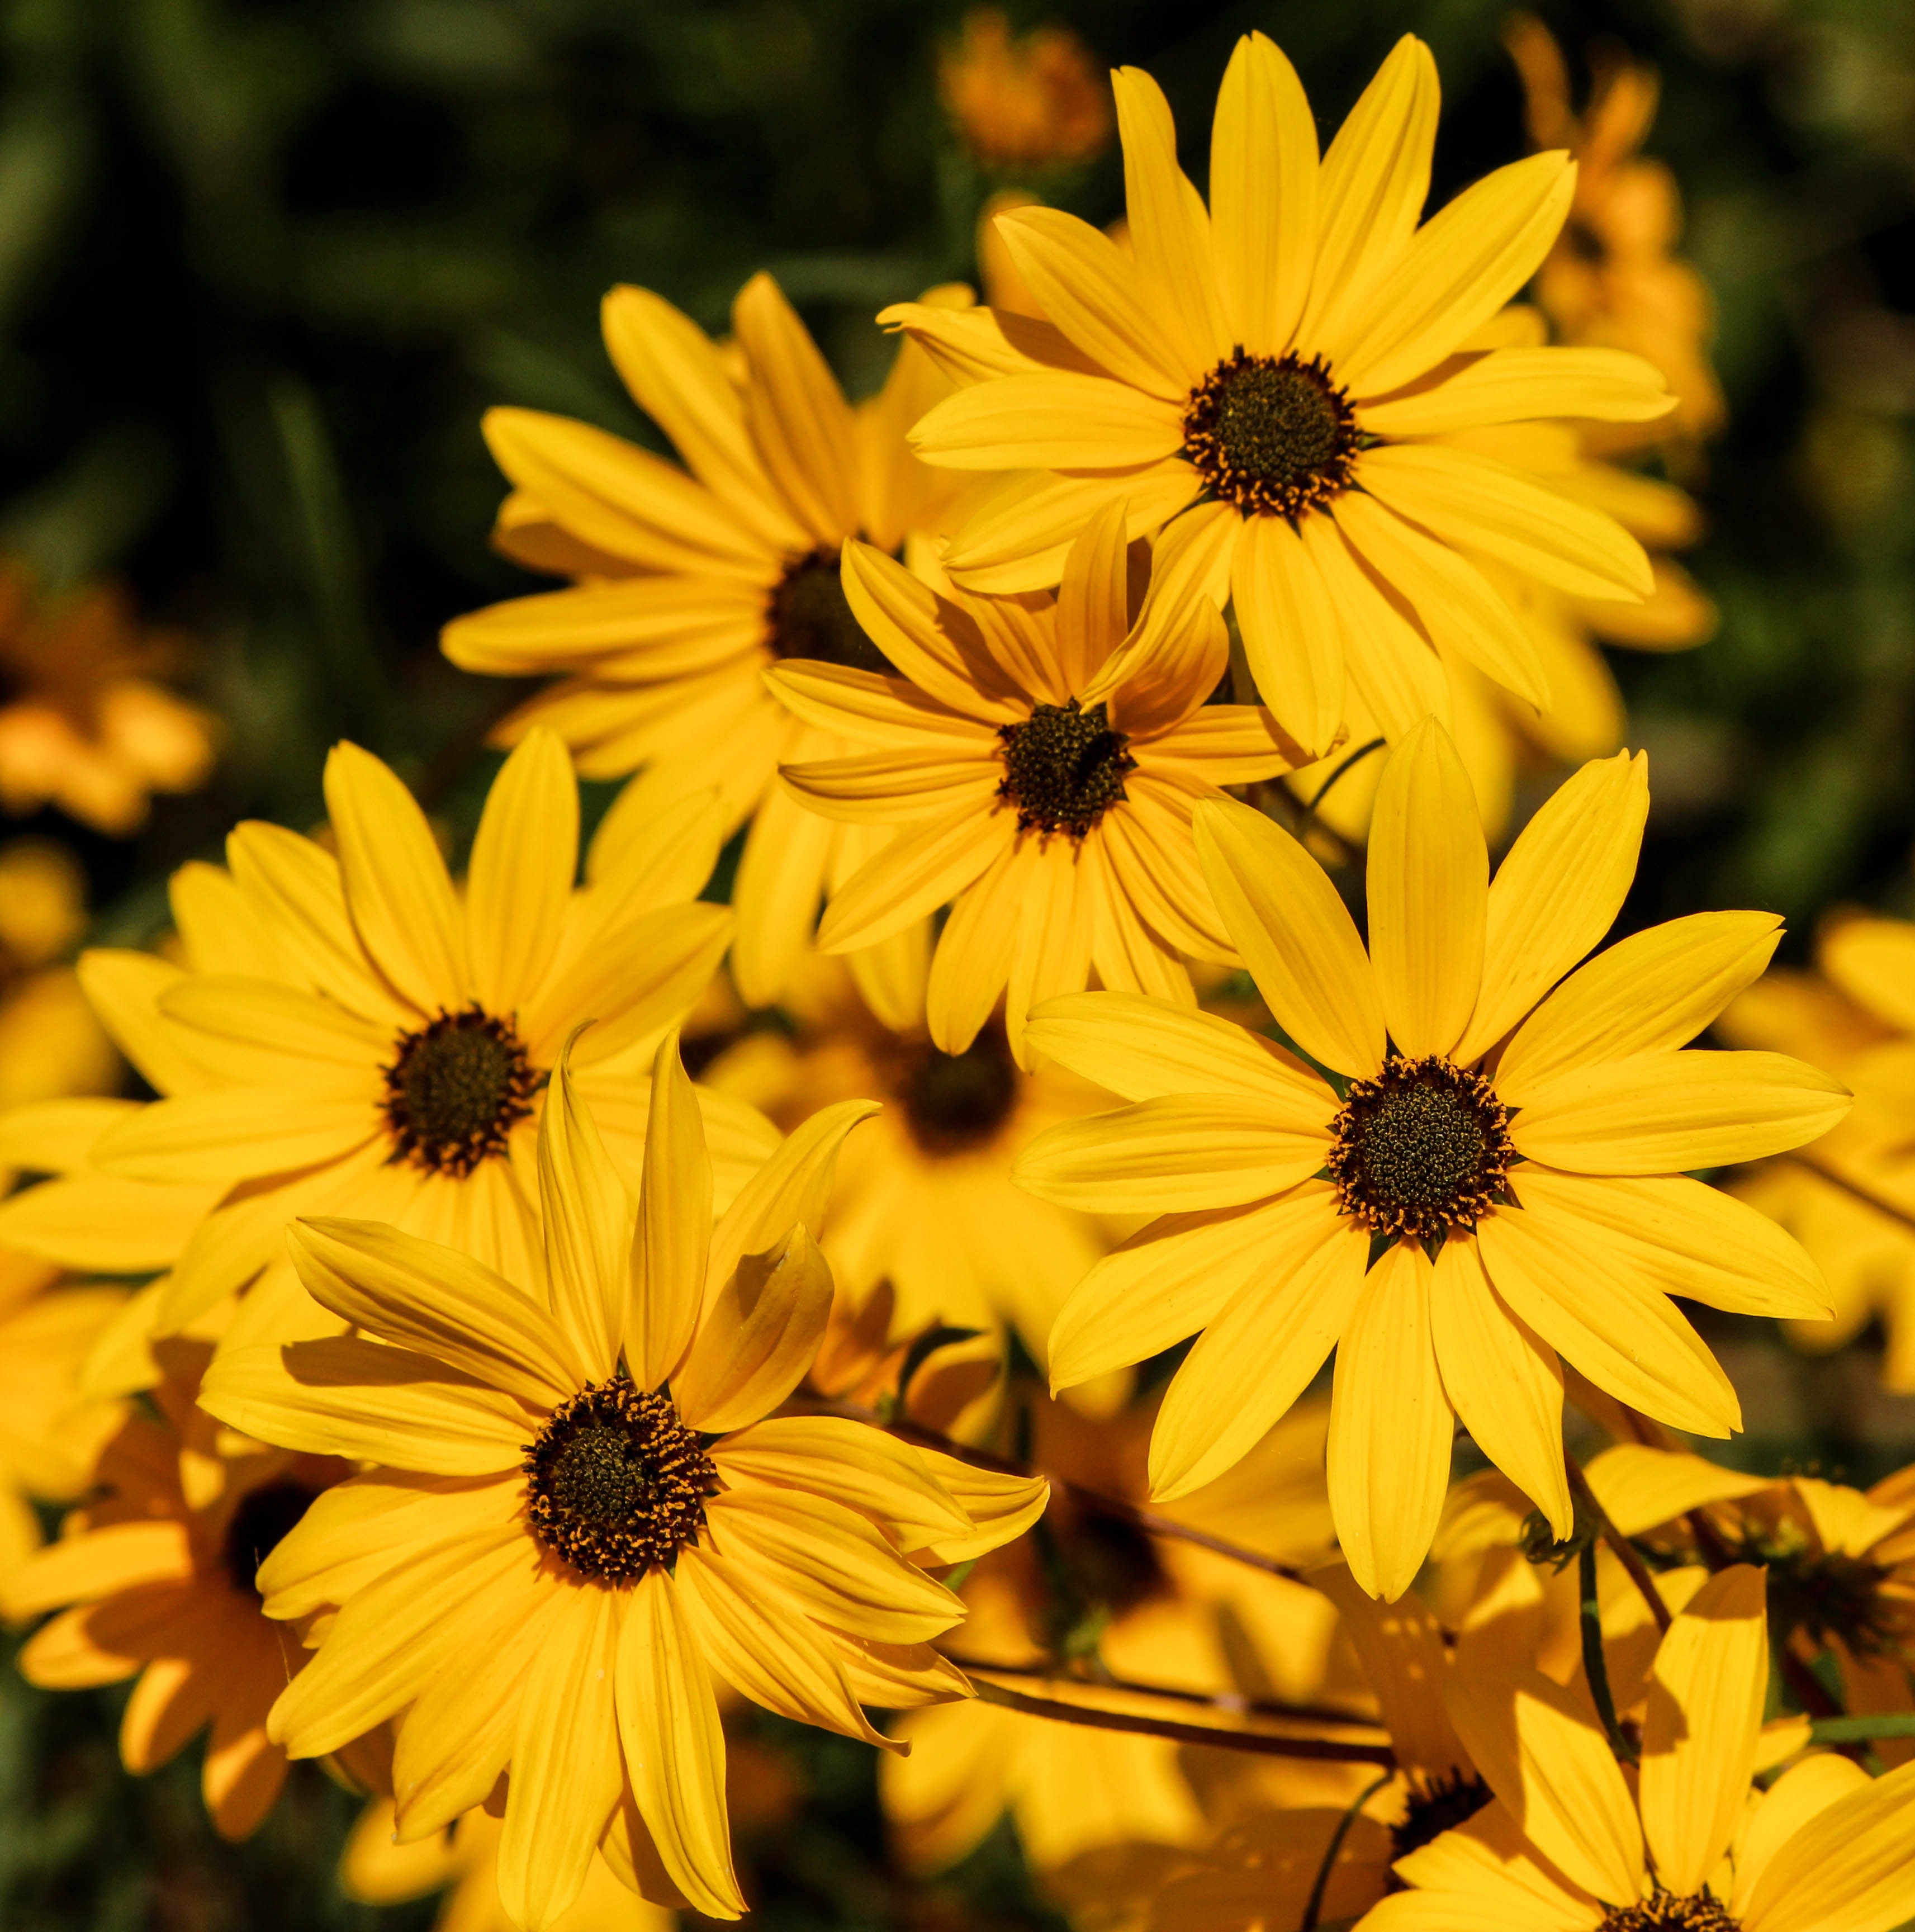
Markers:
618,1482
1825,1594
261,1520
1440,1806
806,616
1422,1148
1274,435
1665,1912
1063,768
455,1090
953,1102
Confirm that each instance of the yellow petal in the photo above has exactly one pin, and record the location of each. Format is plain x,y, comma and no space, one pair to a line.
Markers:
920,633
1292,634
1847,1870
927,864
1295,935
1093,292
1628,1338
396,886
673,1240
1460,267
1057,421
120,1227
1542,1755
1428,884
1093,612
525,859
1802,1792
862,706
236,1132
1666,1113
565,1769
1488,505
1641,1488
674,1749
858,1465
897,788
1502,1378
1169,230
1706,1693
434,1299
1263,196
792,1188
972,960
971,345
1655,990
1390,1426
1526,385
1557,891
1262,1349
1001,1507
758,1338
100,1563
1019,532
279,1032
586,1216
1873,961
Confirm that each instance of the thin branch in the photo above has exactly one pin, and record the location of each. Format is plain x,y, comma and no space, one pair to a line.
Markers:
1328,1750
1314,1910
1856,1190
1148,1521
1625,1551
1862,1730
1808,1689
1595,1666
1232,1704
1322,791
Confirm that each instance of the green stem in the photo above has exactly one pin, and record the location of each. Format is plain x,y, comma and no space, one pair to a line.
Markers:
1862,1730
1595,1666
1315,1908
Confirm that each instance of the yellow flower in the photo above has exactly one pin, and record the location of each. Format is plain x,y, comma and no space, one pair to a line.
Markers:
1571,1844
1032,102
1038,764
1854,1015
577,1509
463,1861
88,726
924,1199
1614,279
160,1572
688,585
1513,1158
1280,375
358,1034
51,1432
50,1043
1841,1562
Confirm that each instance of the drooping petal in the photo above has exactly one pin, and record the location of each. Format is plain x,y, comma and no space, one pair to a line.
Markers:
757,1338
525,859
671,1243
928,864
1429,885
1295,935
1293,637
1093,614
792,1189
1391,1424
972,960
586,1216
919,631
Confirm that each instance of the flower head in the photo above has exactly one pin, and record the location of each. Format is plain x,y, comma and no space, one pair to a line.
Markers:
1461,1179
1287,379
581,1508
1031,101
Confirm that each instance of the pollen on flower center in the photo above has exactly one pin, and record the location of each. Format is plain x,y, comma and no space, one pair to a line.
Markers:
1274,435
953,1102
1064,767
618,1482
262,1520
1422,1147
806,616
455,1090
1441,1807
1665,1912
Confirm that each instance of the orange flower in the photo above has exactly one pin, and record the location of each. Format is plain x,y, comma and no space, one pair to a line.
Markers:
1033,101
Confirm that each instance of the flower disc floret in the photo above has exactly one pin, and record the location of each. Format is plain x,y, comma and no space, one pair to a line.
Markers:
1664,1912
1447,1801
618,1482
1274,435
1064,767
806,616
455,1090
1423,1148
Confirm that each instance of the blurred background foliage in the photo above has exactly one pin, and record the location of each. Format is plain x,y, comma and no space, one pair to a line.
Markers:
263,262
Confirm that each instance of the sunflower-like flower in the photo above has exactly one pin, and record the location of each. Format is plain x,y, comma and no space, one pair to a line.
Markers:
924,1199
1031,101
579,1510
359,1034
688,585
1571,1843
159,1573
88,725
1486,1171
1850,1200
1038,764
1284,376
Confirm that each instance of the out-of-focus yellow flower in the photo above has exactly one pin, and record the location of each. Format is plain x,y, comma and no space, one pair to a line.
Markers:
1613,280
160,1574
51,1434
50,1045
1855,1016
924,1199
1099,1600
1028,100
88,725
